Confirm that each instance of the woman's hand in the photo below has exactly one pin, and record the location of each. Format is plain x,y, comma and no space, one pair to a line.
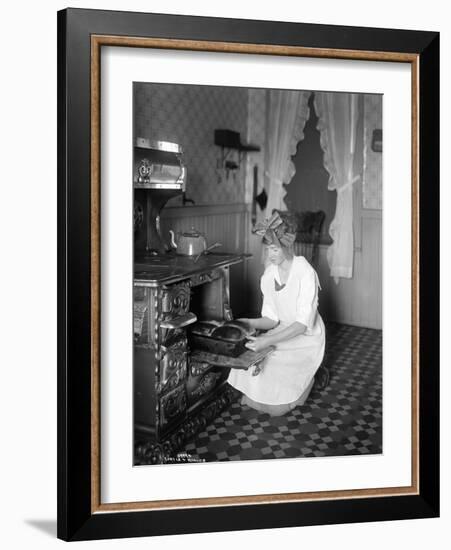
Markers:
258,343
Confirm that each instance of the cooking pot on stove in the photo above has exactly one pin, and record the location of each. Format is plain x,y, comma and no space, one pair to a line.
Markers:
188,243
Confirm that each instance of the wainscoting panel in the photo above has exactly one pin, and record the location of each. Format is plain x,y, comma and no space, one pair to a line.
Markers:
356,301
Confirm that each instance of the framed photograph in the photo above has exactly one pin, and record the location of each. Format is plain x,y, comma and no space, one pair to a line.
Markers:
248,274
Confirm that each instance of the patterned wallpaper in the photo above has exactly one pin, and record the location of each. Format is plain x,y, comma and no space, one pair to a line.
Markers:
256,135
372,161
189,114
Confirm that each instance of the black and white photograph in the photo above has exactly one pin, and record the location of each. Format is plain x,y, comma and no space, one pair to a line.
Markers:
257,291
225,271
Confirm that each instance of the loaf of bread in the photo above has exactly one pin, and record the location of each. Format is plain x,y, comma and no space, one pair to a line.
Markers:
247,330
227,332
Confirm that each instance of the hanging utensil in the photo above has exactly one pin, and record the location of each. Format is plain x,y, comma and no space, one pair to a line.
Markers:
254,196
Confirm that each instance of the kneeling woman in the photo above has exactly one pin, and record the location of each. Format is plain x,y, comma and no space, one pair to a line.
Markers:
293,324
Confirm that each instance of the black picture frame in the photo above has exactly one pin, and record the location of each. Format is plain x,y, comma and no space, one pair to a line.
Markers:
78,517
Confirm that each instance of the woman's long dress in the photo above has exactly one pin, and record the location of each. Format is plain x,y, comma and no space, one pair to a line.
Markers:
288,372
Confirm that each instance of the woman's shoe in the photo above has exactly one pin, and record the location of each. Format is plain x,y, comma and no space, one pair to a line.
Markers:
322,377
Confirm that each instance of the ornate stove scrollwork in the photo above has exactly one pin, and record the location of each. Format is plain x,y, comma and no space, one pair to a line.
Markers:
205,385
172,303
172,405
197,368
201,278
175,300
169,337
173,365
150,452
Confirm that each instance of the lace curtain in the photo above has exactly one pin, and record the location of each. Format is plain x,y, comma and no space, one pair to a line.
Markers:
288,113
337,124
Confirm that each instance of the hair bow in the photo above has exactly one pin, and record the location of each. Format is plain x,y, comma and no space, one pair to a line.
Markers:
275,230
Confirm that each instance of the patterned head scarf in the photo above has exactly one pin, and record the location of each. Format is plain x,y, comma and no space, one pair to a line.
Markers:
276,231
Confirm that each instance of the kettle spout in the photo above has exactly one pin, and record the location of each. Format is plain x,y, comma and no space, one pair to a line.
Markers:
173,243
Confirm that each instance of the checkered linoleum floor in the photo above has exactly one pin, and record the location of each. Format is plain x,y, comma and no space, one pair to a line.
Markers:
343,419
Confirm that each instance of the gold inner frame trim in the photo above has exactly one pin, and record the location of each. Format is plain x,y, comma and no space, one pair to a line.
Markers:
97,41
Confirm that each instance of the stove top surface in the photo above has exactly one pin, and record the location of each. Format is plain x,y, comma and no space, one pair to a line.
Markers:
170,267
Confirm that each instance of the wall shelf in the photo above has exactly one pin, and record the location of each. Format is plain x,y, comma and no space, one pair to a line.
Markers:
229,141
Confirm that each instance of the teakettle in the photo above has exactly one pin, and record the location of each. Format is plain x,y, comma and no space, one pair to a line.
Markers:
188,243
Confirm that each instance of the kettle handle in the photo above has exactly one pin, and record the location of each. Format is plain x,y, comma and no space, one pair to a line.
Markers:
173,243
